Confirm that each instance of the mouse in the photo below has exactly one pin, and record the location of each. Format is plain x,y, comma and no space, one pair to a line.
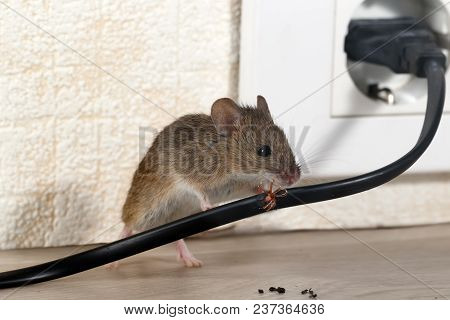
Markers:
201,160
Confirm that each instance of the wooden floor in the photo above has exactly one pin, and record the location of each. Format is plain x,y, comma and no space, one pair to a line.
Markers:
406,263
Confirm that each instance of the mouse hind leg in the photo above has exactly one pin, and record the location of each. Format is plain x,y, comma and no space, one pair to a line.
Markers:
125,233
189,201
185,256
144,210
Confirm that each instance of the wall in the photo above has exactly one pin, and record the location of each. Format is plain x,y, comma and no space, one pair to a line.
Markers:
78,79
72,109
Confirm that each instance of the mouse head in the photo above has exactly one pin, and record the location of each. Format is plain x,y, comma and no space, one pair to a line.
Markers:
256,148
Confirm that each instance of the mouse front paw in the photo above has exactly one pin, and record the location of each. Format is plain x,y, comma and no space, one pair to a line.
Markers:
270,199
260,189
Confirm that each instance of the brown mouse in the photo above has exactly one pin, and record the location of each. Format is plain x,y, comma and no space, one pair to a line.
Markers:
200,160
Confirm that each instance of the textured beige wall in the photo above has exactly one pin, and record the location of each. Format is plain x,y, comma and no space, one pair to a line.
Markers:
69,131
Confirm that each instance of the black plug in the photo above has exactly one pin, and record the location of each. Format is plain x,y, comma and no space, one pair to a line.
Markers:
401,44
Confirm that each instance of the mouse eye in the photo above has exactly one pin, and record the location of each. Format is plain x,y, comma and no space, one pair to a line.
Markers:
264,151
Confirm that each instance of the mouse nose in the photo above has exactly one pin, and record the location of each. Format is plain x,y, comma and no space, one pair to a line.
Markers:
290,177
295,175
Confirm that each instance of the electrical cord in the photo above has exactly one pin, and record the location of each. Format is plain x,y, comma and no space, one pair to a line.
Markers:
402,53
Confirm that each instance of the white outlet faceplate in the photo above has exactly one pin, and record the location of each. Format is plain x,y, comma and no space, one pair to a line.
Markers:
292,53
409,91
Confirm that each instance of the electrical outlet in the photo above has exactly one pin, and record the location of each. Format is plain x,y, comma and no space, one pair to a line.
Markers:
378,90
292,53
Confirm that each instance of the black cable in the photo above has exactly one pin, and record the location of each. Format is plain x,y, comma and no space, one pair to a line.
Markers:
241,209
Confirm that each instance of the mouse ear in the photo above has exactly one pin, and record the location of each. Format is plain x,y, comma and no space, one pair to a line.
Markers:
225,115
261,104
